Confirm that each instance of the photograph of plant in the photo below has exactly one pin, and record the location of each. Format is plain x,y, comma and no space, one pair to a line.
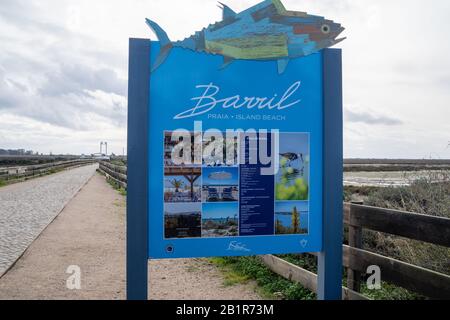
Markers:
220,220
182,185
292,179
291,217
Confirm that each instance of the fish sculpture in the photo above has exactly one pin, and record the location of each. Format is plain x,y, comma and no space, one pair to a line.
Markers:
264,32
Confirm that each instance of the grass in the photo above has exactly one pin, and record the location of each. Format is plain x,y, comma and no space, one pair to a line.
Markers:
120,204
270,285
114,184
117,187
4,182
118,162
193,269
231,276
389,292
359,192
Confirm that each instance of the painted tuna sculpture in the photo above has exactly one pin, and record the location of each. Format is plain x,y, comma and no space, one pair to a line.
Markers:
266,31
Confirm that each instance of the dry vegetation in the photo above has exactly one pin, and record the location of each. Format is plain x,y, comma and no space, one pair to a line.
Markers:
422,196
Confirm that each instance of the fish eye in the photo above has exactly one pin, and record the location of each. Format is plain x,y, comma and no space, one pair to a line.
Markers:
325,29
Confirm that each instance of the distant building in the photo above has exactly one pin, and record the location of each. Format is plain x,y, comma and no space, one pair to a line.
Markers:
16,152
100,156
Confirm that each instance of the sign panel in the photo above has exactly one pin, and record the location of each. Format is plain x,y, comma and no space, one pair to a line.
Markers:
235,156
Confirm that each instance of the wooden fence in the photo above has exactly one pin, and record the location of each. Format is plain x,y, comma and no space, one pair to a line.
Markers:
18,173
426,228
116,173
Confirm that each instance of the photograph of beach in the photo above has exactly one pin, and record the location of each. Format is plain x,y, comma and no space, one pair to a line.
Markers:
220,220
292,179
220,184
182,220
291,217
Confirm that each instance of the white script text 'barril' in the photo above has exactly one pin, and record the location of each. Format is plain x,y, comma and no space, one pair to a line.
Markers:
209,100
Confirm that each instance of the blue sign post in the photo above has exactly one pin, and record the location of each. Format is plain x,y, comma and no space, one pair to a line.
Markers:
274,184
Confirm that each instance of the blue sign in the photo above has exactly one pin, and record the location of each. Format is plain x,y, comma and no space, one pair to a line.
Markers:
235,163
235,143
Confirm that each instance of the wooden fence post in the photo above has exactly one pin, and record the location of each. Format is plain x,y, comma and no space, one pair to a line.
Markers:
355,241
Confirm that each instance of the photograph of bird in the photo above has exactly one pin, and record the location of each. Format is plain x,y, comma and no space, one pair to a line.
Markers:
290,157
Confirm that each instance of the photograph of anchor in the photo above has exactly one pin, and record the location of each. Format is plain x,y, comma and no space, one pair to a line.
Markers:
220,184
292,179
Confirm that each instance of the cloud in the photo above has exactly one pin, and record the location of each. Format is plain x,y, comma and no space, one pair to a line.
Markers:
75,78
63,69
55,76
370,118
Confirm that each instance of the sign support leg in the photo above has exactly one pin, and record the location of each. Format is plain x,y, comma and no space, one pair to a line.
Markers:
329,286
137,188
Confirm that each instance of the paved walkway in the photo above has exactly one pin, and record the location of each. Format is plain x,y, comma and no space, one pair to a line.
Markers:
90,233
26,208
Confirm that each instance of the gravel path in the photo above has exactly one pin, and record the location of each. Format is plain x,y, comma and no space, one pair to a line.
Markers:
193,279
90,233
28,207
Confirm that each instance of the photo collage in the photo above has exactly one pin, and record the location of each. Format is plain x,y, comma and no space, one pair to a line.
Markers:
202,194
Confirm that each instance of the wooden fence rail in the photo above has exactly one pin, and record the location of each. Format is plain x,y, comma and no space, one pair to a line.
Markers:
116,173
302,276
426,228
416,226
17,173
421,227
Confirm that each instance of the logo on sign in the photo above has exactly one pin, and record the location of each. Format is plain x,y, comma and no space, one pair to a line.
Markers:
237,246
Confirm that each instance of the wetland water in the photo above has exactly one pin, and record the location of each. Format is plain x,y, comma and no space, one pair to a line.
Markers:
392,178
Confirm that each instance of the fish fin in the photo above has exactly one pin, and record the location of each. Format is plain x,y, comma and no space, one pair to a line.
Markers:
279,6
228,13
160,33
165,43
226,62
282,64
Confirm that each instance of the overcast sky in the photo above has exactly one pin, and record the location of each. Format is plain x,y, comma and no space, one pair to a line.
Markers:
63,70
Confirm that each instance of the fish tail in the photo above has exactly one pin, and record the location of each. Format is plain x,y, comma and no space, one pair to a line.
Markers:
164,41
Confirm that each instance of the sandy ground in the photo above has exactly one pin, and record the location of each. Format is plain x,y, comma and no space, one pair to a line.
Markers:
90,233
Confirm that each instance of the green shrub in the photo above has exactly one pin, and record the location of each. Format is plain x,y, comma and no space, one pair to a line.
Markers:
271,285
